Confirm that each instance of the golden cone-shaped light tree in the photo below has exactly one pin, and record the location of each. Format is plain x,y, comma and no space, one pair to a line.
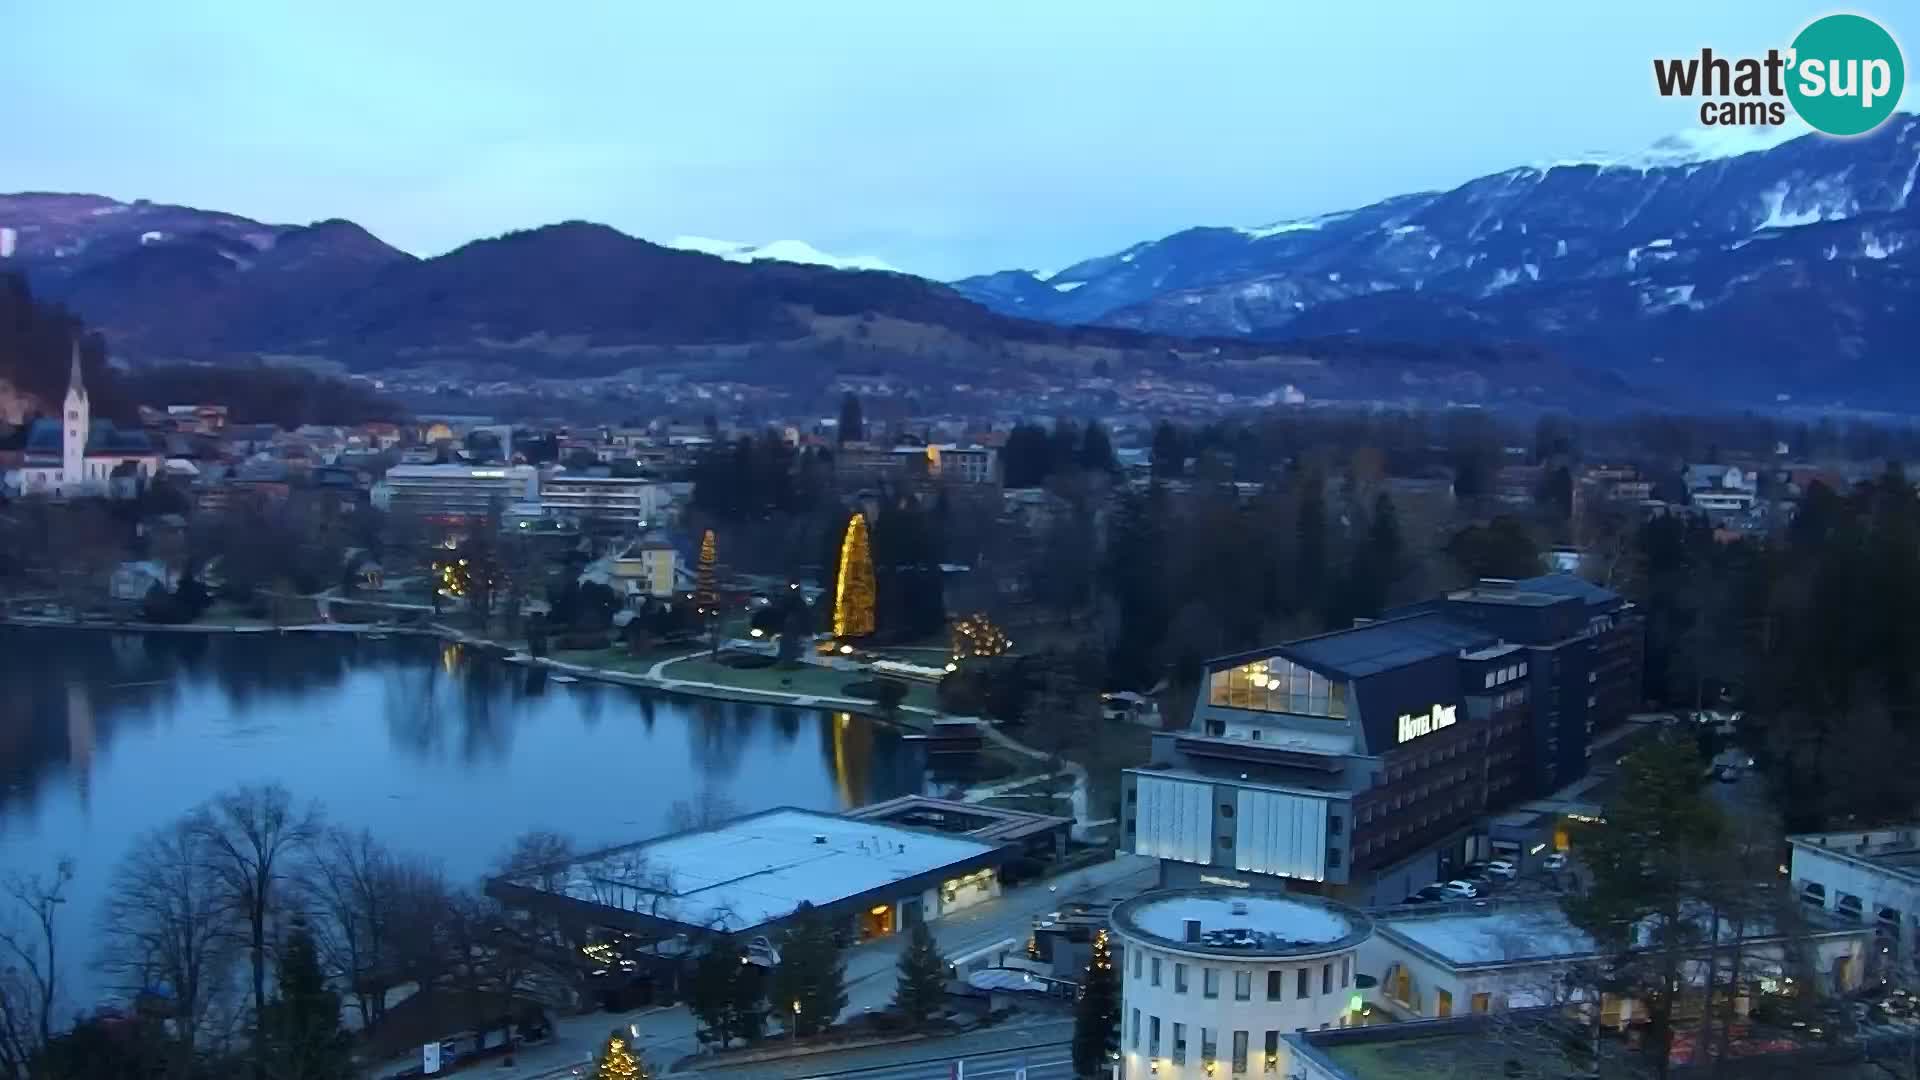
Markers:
853,592
706,590
617,1061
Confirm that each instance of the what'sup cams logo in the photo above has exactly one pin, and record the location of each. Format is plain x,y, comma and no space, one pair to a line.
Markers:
1843,75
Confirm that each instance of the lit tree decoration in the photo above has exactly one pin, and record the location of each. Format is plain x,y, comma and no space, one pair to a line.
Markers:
976,635
706,593
617,1062
1096,1021
853,592
452,574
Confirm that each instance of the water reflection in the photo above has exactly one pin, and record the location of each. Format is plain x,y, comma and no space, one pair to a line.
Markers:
439,749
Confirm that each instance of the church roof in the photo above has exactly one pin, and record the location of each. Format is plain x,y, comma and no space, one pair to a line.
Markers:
103,439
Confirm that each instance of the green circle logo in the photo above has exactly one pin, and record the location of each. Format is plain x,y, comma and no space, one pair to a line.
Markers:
1847,74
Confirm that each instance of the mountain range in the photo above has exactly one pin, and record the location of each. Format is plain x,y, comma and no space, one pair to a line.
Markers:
1725,269
579,301
1731,266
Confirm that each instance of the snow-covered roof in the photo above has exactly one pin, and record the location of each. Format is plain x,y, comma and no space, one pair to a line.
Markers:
1241,922
1531,933
759,869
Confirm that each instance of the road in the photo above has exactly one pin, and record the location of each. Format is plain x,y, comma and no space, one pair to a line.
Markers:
1042,1046
665,1035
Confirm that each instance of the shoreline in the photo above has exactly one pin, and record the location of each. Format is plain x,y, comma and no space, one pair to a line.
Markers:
651,680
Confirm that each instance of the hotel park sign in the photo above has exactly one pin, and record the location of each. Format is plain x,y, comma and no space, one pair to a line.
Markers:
1426,723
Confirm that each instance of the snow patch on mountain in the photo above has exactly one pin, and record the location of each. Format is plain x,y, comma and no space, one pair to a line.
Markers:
1778,217
793,251
1296,225
1691,147
1068,286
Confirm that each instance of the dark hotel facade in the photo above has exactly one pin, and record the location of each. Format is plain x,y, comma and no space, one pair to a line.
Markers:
1362,764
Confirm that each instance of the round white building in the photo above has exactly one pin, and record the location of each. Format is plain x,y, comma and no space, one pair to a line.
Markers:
1213,979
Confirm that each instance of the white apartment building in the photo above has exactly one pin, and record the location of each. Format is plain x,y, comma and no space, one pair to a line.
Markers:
629,500
461,492
1869,878
1214,978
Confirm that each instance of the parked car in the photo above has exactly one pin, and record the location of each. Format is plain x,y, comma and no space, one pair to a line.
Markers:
1555,861
1435,891
1503,869
1460,890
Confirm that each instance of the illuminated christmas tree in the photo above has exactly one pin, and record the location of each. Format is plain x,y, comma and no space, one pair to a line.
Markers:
1096,1021
853,593
616,1061
706,594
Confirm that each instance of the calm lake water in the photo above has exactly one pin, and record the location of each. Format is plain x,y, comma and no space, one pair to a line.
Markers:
439,750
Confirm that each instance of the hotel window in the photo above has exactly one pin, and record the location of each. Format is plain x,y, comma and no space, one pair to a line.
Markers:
1442,1003
1480,1003
1273,1052
1300,988
1179,978
1179,1043
1153,1036
1153,971
1209,1047
1239,1051
1335,825
1209,982
1134,1041
1333,857
1243,986
1273,984
1136,963
1346,972
1326,978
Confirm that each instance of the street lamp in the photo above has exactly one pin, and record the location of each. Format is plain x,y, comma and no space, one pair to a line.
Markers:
796,1019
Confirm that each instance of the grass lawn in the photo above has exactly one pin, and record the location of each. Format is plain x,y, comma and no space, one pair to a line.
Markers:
803,679
619,659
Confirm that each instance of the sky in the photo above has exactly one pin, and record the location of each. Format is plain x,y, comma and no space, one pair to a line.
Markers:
946,139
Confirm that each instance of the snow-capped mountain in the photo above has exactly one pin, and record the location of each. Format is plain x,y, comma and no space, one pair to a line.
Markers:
1783,264
793,251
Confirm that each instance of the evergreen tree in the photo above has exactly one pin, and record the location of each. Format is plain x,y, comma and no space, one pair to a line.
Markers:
617,1061
1026,459
1169,452
724,995
853,602
1642,901
706,594
810,985
1096,449
301,1034
853,427
1096,1020
1310,550
923,977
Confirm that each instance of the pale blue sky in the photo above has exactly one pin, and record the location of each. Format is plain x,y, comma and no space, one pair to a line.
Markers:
946,138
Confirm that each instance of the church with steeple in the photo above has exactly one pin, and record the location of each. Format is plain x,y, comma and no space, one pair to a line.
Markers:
74,456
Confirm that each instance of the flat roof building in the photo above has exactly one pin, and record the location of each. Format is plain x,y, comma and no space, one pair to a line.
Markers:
1868,877
750,874
1042,835
457,492
629,500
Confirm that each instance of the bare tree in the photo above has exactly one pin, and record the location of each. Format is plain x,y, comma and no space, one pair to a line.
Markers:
419,946
704,810
30,965
539,853
251,836
352,882
168,924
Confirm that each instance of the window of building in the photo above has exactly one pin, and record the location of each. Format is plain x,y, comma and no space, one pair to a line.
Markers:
1179,1043
1442,1003
1153,1036
1300,983
1136,963
1209,1047
1216,727
1480,1003
1226,843
1133,1028
1273,984
1346,972
1153,970
1179,978
1209,982
1239,1051
1326,978
1335,825
1272,1063
1226,809
1243,986
1333,858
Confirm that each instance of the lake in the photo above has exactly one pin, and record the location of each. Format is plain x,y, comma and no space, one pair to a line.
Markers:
435,747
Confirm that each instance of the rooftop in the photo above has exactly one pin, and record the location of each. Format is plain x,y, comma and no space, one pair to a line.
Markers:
970,819
759,869
1241,922
1380,646
1895,849
1524,932
1522,1045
